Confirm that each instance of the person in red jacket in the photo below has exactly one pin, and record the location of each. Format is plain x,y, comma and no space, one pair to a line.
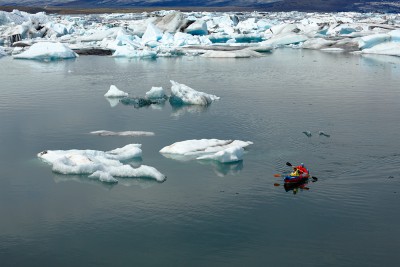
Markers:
300,170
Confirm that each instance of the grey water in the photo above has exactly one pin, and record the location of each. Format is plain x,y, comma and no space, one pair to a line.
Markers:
205,213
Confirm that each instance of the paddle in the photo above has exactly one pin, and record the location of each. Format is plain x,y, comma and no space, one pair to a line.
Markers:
290,165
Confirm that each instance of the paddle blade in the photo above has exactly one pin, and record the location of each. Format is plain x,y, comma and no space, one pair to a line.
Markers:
314,178
289,164
277,175
276,184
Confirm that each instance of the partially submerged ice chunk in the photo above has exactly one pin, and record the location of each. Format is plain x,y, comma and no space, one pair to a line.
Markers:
115,92
156,93
182,94
99,164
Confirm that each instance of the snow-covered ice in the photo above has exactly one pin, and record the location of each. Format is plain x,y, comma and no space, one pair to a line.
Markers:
115,92
99,164
182,94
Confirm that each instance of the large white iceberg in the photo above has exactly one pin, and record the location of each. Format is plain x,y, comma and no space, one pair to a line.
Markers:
47,51
115,92
99,164
184,95
214,149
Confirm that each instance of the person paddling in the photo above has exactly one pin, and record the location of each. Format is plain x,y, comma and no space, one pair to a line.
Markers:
299,170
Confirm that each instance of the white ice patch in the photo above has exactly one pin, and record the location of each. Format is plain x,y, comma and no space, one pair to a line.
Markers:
99,164
124,133
221,150
285,39
47,51
183,94
243,53
115,92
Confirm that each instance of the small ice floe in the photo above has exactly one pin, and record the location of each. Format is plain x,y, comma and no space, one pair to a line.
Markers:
213,149
47,51
324,134
307,133
156,93
101,165
115,92
182,94
124,133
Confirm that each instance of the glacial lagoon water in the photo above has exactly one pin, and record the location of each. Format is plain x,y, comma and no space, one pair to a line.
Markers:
205,214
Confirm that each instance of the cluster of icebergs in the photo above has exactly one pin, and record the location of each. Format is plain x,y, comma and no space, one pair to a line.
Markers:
105,166
181,94
211,34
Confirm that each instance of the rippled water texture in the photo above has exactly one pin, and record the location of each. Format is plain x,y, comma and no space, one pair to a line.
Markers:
205,214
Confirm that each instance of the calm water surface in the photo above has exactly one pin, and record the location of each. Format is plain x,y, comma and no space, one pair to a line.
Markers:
205,214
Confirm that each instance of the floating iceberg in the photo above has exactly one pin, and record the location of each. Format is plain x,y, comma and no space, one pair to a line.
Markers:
47,51
99,164
115,92
184,95
124,133
214,149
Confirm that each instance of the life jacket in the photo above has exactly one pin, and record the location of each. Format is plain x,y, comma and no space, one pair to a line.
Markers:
301,169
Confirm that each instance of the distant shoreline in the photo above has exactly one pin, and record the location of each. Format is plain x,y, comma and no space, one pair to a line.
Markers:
77,10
